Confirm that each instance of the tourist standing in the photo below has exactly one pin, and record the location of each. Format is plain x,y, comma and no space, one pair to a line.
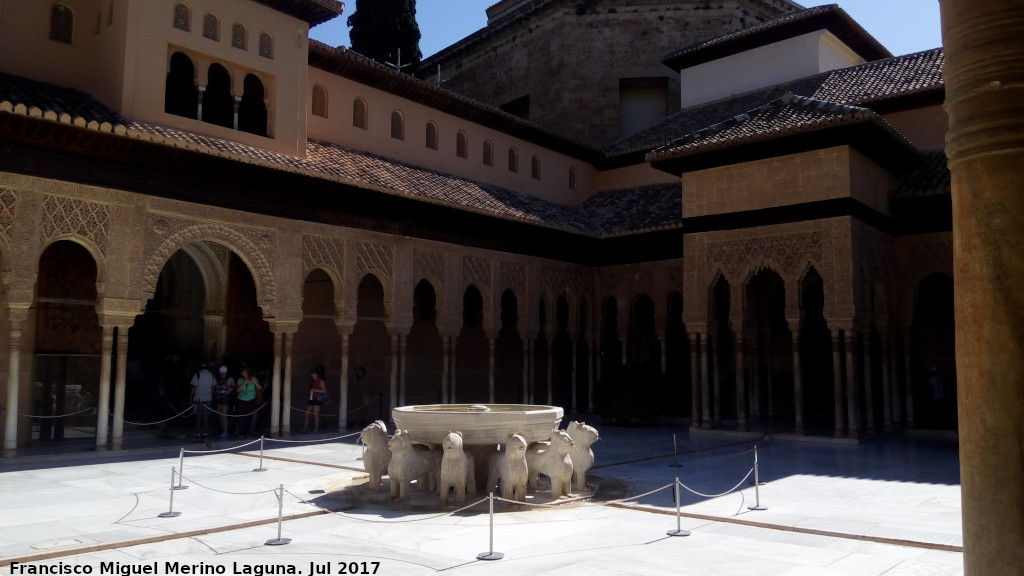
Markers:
202,396
222,393
314,400
248,390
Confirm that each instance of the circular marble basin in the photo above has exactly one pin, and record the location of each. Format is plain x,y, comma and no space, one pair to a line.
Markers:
479,423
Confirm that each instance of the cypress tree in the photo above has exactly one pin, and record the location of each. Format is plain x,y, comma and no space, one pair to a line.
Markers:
380,28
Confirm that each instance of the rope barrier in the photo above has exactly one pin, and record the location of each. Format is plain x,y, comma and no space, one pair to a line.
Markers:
225,492
182,413
343,515
638,495
91,408
261,406
312,439
535,505
723,493
320,413
221,449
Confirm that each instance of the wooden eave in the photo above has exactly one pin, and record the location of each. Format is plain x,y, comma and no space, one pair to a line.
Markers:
311,11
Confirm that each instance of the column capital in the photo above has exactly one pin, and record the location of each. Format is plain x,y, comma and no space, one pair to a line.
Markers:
283,326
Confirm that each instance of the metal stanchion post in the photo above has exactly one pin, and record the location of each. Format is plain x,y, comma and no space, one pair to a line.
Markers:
280,517
675,455
679,530
170,508
261,468
181,466
491,554
757,484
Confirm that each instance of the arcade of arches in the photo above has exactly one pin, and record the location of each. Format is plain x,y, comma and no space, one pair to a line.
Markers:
118,296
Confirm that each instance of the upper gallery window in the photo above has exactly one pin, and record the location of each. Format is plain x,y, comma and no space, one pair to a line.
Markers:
239,36
211,26
266,45
62,23
432,135
182,17
397,125
319,101
461,144
359,113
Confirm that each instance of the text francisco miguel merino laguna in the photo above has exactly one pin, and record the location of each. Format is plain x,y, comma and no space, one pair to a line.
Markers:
129,569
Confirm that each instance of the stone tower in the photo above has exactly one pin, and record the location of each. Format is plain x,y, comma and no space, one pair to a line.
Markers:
589,68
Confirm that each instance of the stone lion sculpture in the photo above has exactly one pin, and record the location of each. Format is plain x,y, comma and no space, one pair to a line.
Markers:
582,456
377,456
408,463
552,460
508,469
457,470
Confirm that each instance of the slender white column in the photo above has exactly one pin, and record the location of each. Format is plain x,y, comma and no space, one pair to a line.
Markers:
887,394
705,380
741,390
393,396
120,381
275,388
343,391
286,393
798,385
695,384
490,370
908,366
402,342
455,369
852,388
591,359
446,343
103,402
837,382
550,343
572,402
526,371
869,404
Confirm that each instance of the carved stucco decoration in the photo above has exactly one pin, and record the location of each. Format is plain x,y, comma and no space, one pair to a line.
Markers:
476,271
787,254
675,279
555,282
8,200
513,275
374,257
255,247
69,216
427,264
320,251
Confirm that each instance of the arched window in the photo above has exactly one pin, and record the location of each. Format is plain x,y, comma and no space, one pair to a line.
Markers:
182,17
513,160
266,45
432,135
62,24
319,100
180,95
252,110
359,113
488,153
535,167
397,125
211,26
461,144
218,103
239,36
572,178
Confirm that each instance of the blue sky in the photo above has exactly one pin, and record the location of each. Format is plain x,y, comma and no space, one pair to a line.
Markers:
902,26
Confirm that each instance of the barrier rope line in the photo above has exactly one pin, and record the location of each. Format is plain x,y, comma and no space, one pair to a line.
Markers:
91,408
360,519
723,493
188,410
261,406
224,491
535,505
311,439
221,449
637,496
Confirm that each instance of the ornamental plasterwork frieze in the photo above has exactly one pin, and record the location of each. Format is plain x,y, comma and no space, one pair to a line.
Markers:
376,257
320,251
69,189
555,282
256,247
675,278
476,271
8,200
513,275
786,253
427,264
64,216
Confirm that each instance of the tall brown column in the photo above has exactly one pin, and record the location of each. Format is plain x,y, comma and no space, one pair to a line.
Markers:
705,380
343,390
984,74
741,389
887,394
852,387
798,384
837,381
695,385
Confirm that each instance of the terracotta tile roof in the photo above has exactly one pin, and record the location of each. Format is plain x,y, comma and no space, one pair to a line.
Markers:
864,85
42,98
830,17
932,179
786,115
634,210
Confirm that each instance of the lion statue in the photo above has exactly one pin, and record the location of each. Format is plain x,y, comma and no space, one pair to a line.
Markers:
508,469
377,456
552,460
408,463
582,456
457,470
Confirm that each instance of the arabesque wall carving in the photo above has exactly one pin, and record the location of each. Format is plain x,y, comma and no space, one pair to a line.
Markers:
427,264
68,216
513,275
375,257
322,251
476,271
786,253
8,201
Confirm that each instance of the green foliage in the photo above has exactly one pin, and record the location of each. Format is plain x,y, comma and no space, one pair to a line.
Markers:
631,394
382,28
